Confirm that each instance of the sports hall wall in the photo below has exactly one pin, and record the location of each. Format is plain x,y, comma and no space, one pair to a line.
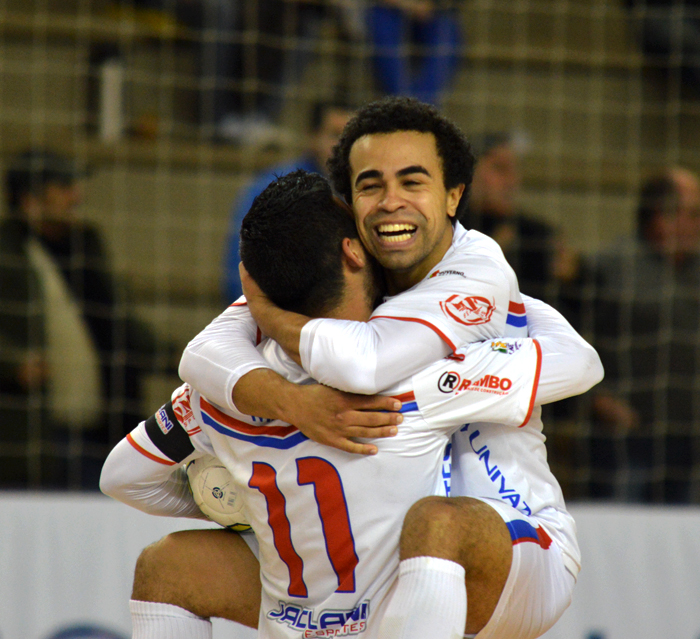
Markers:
128,90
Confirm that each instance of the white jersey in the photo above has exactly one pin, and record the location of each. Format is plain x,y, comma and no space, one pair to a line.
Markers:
328,522
471,295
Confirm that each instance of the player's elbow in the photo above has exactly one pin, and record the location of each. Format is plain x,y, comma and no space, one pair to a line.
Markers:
107,484
110,483
592,368
352,380
186,364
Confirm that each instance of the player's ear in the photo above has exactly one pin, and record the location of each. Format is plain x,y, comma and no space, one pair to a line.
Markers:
454,195
354,253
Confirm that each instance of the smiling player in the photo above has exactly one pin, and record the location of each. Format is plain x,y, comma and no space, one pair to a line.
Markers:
406,171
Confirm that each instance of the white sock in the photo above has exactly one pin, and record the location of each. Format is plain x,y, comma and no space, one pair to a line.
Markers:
151,620
430,601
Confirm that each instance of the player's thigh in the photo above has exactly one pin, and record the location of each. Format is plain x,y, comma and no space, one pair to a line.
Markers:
470,532
539,587
212,573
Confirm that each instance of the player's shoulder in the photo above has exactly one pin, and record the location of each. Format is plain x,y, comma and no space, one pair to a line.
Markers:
470,245
473,257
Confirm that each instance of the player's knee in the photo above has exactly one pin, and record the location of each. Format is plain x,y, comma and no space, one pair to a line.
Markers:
427,529
153,566
449,528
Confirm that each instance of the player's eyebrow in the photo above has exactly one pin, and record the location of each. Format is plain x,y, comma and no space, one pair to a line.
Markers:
417,168
374,173
365,175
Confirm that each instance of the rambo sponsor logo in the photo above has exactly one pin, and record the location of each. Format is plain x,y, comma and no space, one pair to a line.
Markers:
451,382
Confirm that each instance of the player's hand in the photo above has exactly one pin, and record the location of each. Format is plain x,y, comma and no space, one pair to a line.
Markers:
334,418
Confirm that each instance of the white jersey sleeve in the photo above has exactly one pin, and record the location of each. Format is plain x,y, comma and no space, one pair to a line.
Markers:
489,381
471,295
222,353
143,483
503,380
570,365
146,470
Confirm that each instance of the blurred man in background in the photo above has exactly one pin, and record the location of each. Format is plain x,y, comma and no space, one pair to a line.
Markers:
533,247
326,124
547,268
646,440
70,359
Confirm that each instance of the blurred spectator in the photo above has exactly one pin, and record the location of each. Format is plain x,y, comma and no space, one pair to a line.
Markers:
71,360
249,53
669,32
416,46
327,122
534,248
646,442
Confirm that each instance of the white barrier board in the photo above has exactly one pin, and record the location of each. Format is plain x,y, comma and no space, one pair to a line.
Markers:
69,559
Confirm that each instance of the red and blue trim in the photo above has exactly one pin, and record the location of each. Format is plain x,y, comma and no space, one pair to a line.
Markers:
280,437
516,315
523,531
408,402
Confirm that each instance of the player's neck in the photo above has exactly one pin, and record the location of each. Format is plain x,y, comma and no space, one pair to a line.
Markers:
398,281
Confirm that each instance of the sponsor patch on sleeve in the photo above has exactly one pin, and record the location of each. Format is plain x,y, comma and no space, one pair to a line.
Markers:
168,434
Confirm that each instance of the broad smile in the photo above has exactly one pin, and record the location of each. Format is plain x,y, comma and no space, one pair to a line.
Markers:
395,233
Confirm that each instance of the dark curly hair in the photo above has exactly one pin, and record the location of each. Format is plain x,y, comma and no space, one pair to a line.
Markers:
393,114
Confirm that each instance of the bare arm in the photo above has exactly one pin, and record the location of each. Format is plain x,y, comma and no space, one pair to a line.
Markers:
323,414
224,365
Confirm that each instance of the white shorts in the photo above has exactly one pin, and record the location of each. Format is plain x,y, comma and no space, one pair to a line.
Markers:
539,587
252,541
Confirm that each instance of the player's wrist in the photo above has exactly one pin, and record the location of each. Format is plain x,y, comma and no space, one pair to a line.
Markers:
263,393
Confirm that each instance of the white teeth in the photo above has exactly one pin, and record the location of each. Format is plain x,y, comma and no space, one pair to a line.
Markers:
397,238
393,232
393,228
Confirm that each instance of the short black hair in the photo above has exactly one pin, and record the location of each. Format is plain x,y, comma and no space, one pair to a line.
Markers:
291,243
658,194
32,171
393,114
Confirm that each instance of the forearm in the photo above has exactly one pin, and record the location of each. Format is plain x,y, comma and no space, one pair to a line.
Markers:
570,366
221,354
368,357
264,393
151,487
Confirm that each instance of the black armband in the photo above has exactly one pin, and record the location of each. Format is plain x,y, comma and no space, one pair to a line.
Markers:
168,434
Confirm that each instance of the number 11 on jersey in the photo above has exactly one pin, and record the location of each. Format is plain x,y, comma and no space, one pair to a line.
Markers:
332,511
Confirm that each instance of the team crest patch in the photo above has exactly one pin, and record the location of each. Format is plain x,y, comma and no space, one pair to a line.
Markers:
183,411
469,310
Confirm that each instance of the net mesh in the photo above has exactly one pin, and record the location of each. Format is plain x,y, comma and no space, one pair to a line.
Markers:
174,105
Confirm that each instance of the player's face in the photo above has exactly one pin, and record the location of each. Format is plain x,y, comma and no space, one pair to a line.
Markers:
401,205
